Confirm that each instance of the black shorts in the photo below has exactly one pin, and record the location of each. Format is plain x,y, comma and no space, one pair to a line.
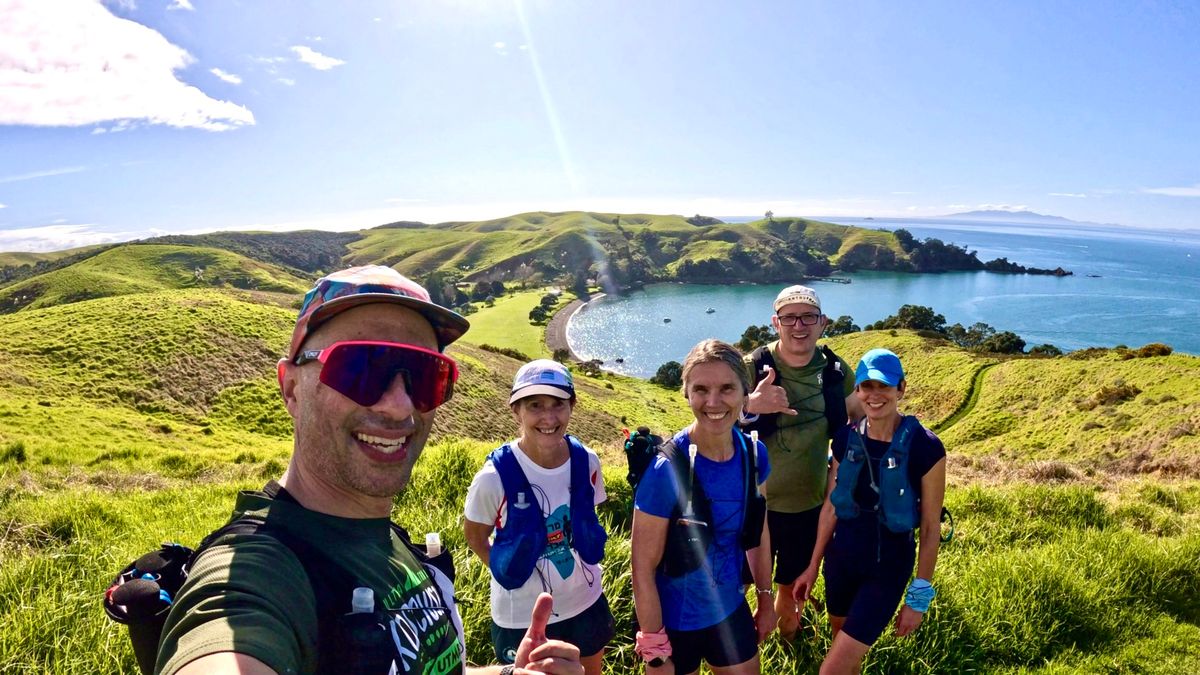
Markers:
590,631
864,591
793,536
729,642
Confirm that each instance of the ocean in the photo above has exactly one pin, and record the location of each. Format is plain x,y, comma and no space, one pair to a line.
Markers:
1130,287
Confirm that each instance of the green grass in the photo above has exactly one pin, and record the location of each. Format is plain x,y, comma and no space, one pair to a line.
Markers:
1055,579
507,325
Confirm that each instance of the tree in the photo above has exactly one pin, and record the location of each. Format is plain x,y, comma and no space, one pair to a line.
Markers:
754,337
906,240
915,317
538,314
497,288
579,285
669,375
481,290
1045,350
1006,342
549,300
970,338
842,325
770,215
562,355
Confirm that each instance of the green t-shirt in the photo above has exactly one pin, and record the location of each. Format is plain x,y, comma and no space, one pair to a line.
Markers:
251,595
799,448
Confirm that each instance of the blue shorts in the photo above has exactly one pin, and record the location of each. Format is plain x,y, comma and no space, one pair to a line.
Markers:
729,642
864,591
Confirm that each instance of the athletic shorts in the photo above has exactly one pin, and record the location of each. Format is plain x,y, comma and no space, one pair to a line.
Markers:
864,591
793,536
590,630
729,642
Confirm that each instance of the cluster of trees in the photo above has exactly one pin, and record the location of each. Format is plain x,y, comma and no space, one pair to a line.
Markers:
541,313
978,336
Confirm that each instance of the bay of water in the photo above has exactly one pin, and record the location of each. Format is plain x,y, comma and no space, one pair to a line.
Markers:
1130,287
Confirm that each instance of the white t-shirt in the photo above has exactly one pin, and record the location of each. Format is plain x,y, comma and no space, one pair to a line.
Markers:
574,584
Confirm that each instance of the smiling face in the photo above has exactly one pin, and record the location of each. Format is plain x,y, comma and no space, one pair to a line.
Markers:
345,449
879,401
798,342
543,421
715,395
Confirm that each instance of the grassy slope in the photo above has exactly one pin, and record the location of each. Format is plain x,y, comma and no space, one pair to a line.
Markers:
507,325
143,268
15,258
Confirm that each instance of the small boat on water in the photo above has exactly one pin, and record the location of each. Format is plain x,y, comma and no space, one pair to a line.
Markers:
666,320
710,310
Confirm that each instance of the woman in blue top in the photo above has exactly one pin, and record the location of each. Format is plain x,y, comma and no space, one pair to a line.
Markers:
889,478
692,557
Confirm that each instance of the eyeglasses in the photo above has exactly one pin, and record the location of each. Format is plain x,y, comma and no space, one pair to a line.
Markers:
363,370
808,319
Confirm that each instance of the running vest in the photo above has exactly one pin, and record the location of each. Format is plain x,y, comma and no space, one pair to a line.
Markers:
520,543
689,536
897,507
831,390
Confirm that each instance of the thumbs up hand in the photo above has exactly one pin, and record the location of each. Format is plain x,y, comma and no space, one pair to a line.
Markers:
768,397
539,654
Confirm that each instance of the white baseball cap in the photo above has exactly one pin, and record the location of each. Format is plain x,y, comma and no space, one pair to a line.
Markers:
797,294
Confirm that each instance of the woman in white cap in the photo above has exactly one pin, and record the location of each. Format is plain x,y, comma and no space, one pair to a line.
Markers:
539,493
889,479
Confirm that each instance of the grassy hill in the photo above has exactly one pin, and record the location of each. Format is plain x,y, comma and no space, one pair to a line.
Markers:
140,268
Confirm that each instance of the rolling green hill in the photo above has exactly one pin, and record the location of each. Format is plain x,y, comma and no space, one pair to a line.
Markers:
140,268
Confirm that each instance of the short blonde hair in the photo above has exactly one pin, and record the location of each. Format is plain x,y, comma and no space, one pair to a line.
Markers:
716,351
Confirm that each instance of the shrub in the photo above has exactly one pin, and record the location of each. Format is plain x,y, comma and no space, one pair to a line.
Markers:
1154,349
669,375
15,452
506,351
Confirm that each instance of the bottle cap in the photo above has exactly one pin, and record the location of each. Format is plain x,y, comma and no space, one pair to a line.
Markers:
433,544
362,601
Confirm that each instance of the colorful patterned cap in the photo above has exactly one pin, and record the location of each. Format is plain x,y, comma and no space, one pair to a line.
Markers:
356,286
542,376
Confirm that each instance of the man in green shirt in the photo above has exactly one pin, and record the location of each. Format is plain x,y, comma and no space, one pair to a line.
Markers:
363,375
788,404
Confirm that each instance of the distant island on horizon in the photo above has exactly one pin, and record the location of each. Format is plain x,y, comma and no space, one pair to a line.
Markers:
998,215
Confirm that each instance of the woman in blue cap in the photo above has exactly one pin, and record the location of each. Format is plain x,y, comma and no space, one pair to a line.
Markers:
889,479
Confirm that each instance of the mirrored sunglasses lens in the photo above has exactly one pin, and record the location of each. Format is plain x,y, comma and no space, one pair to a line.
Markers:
363,373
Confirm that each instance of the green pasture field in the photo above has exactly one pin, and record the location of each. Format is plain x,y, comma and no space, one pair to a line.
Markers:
506,324
1087,576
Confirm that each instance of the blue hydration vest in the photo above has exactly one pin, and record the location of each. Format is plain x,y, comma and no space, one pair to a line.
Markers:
520,543
897,507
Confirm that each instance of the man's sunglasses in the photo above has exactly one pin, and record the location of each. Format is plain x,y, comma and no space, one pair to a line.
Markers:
363,370
805,319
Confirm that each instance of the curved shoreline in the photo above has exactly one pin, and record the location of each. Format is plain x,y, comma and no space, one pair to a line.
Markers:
556,328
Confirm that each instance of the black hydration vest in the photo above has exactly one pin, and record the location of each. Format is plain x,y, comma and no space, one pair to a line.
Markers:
690,535
141,596
832,378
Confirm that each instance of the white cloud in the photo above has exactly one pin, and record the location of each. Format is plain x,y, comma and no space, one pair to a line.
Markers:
286,81
73,63
500,48
315,59
59,237
1078,195
903,192
42,174
1193,191
181,4
3,206
1002,207
226,77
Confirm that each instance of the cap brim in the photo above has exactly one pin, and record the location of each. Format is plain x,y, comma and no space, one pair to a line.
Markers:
535,389
447,325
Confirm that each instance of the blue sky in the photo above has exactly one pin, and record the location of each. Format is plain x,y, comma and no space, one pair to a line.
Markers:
128,118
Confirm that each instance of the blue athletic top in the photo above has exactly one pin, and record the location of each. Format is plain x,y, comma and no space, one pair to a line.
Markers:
708,595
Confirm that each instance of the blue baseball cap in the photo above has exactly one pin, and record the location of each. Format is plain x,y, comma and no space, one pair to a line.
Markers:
881,365
542,376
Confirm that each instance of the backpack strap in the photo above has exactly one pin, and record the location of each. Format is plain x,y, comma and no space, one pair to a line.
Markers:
832,378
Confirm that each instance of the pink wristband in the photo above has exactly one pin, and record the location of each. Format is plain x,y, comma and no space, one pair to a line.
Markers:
653,645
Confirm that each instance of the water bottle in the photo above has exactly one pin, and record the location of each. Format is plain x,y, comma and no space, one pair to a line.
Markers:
366,645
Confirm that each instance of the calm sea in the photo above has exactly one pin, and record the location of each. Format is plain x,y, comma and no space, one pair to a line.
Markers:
1130,287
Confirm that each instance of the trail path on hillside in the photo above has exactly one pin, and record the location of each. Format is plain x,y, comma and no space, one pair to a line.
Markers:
969,402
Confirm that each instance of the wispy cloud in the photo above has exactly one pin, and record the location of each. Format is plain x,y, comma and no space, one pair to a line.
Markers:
59,237
1078,195
74,63
3,206
226,77
501,48
309,56
42,174
286,81
181,4
903,192
1193,191
1002,207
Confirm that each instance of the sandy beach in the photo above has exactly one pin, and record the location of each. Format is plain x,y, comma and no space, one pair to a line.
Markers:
556,330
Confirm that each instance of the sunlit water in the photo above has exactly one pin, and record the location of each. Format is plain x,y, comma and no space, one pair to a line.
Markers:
1129,287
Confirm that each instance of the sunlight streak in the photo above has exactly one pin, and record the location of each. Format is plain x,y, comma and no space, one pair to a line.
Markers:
561,143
